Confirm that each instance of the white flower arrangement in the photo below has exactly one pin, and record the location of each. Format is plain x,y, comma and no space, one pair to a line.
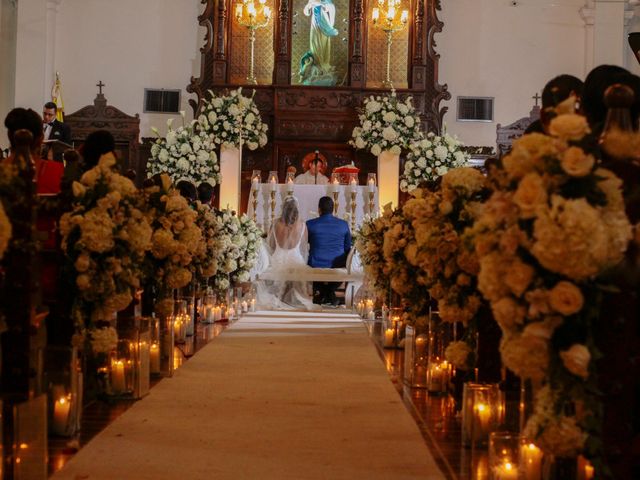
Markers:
205,261
253,238
233,119
105,239
103,340
431,158
387,123
187,153
5,230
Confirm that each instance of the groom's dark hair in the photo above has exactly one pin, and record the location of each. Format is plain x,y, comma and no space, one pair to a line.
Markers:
325,205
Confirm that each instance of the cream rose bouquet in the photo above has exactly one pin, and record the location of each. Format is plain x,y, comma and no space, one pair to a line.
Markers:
387,123
187,153
249,253
230,242
176,238
553,223
233,119
431,158
105,238
369,242
205,261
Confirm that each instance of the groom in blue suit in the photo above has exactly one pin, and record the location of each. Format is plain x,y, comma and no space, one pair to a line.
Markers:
329,245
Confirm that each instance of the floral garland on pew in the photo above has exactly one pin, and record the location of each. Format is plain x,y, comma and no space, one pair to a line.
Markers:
369,241
439,218
554,222
105,239
205,262
430,158
387,123
187,153
233,119
251,239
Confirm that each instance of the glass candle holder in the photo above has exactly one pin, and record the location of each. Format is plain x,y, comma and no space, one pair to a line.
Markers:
531,458
416,355
208,308
391,329
482,412
130,365
504,456
180,320
189,315
64,383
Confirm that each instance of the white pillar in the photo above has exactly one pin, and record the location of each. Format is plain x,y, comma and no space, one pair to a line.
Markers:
230,171
388,178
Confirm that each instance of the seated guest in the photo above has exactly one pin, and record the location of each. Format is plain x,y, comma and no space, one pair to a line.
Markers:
48,173
187,190
309,177
205,194
97,144
555,92
329,246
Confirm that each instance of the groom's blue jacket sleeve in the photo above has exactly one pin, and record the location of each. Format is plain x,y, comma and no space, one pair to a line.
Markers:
329,240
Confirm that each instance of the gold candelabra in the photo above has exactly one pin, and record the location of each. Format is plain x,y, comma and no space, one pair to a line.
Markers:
253,18
390,23
336,203
273,206
372,204
353,210
255,205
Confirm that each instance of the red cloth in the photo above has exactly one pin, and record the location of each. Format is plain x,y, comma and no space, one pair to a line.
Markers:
48,177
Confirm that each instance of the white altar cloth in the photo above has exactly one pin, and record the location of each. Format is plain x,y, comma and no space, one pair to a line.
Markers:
308,196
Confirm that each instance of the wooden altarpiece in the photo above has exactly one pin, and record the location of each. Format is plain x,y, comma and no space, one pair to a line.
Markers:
304,118
124,128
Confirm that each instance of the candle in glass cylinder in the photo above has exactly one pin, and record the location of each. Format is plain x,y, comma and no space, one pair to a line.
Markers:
272,184
117,377
61,415
481,421
435,378
253,304
245,306
505,471
154,358
371,315
531,461
421,345
388,337
371,184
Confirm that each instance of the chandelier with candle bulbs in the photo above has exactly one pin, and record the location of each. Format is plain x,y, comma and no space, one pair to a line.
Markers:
252,16
388,18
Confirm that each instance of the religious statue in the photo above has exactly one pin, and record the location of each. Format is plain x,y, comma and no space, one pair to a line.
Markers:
315,64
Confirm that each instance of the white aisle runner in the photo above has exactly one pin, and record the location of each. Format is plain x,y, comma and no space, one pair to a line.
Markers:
276,396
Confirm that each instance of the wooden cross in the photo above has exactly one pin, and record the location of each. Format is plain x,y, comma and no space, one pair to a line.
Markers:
100,85
536,97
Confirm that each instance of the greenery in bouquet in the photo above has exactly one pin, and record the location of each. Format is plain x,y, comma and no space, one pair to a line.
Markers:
187,153
176,238
251,242
554,222
233,119
105,238
205,262
430,158
387,123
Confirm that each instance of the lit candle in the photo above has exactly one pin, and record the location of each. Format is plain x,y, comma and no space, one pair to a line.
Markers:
391,13
481,421
272,184
435,380
372,185
405,16
238,11
251,10
371,315
532,459
353,183
388,337
231,313
154,358
255,181
421,345
117,377
253,304
267,13
375,16
245,306
61,415
506,471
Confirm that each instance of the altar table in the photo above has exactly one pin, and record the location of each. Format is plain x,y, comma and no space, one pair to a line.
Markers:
308,196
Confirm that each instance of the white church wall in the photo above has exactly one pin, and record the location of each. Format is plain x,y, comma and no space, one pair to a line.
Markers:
490,48
8,29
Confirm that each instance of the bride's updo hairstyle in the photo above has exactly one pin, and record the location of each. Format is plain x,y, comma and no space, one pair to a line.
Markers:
290,211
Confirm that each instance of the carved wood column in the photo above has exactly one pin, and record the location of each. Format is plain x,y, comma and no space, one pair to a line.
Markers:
418,40
220,61
358,42
282,44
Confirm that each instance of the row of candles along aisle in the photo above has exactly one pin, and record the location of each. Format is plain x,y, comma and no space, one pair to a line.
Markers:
483,407
150,347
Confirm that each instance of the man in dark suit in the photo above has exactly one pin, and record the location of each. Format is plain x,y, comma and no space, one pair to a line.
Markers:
329,245
52,128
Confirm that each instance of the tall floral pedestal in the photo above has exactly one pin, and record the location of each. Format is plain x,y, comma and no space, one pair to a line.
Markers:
388,178
230,169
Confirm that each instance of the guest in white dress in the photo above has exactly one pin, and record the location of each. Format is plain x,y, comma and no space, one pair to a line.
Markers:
287,249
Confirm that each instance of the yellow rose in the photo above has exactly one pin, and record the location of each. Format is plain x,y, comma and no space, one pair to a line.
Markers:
83,282
78,189
566,298
82,262
519,276
569,127
530,194
507,313
576,360
577,163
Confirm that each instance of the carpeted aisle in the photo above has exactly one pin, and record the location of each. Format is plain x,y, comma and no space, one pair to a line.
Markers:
276,396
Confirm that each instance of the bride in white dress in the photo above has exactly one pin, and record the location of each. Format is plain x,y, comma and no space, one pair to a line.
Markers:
287,248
